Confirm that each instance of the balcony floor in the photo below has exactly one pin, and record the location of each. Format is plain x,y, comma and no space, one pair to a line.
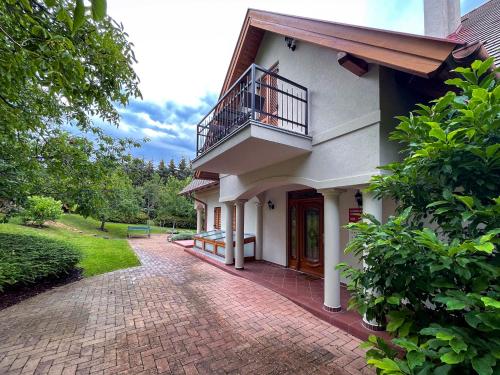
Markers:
236,153
305,290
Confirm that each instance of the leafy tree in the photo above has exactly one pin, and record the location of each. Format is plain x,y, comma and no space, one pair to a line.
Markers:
58,68
135,169
175,208
432,271
183,169
151,195
162,170
39,209
149,170
172,168
114,199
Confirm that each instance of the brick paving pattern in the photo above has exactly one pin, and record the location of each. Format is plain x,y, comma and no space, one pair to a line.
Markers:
173,315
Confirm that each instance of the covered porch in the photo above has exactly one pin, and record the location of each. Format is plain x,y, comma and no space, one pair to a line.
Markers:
298,237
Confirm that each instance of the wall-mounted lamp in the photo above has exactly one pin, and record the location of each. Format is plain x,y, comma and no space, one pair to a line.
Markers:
359,198
270,205
291,43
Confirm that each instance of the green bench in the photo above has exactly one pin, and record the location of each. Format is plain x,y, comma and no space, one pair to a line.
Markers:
131,229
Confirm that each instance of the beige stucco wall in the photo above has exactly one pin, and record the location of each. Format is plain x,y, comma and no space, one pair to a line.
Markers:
344,122
350,119
330,86
275,220
211,198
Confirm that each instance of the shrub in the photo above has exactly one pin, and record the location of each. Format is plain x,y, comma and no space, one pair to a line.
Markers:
25,259
38,210
182,237
179,222
431,272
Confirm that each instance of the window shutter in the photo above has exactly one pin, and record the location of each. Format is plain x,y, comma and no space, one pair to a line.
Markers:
217,217
234,217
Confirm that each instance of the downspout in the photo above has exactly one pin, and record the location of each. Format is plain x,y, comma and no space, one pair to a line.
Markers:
205,207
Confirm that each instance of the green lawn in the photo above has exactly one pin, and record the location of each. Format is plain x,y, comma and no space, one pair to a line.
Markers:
102,251
113,230
99,255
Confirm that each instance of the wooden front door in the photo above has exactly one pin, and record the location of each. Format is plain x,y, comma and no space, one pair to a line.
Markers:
305,232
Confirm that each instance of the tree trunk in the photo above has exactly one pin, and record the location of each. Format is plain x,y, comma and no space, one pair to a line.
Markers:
102,225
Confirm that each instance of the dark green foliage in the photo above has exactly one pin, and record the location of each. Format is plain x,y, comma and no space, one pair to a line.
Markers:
176,221
162,170
112,199
25,259
432,271
182,237
158,189
183,169
172,169
59,68
174,209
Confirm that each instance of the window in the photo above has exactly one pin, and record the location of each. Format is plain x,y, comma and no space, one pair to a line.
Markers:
217,217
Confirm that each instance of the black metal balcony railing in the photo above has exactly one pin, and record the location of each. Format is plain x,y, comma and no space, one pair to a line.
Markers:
260,95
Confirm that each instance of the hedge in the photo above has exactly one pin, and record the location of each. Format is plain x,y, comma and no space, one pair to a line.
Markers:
25,259
182,237
179,222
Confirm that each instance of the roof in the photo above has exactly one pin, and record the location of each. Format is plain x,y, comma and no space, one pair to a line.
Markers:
197,185
482,24
415,54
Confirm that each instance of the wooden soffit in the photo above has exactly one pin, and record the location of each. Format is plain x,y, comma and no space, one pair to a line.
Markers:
414,54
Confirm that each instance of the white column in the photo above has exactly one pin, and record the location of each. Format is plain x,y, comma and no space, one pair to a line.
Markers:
239,256
258,232
199,219
229,259
372,206
332,249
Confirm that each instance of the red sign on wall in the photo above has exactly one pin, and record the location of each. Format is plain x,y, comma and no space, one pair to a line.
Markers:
355,214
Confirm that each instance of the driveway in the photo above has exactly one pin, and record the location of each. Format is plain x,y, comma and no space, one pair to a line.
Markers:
174,314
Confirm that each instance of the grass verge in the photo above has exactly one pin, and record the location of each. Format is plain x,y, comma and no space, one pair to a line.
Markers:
99,254
113,230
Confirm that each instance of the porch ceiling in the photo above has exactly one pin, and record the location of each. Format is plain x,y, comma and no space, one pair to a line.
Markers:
253,146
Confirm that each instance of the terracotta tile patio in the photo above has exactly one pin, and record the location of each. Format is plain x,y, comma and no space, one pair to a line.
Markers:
173,315
305,290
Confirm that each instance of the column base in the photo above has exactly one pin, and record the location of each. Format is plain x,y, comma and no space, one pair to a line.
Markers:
332,309
372,326
239,268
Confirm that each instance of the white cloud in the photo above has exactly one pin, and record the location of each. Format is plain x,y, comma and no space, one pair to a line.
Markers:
184,47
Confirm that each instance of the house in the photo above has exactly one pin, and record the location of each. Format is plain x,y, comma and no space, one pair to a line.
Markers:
302,124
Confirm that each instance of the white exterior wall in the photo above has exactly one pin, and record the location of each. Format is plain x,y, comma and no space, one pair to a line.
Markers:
344,121
211,198
350,118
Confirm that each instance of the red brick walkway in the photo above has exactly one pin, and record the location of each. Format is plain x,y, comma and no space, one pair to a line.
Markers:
175,314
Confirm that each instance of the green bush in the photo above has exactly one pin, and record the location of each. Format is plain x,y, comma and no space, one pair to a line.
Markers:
25,259
38,210
431,272
182,237
179,222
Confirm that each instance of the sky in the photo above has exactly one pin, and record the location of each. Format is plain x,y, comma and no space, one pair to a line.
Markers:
183,48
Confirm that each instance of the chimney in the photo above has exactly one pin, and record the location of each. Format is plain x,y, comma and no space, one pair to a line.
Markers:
441,17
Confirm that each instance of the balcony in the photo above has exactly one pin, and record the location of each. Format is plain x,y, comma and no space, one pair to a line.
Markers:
261,120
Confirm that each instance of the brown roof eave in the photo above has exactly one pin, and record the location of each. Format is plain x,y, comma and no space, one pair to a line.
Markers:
198,185
414,54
